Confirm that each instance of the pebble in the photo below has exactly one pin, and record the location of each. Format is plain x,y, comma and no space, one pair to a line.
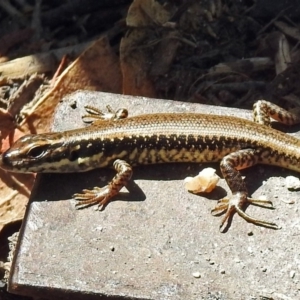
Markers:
197,274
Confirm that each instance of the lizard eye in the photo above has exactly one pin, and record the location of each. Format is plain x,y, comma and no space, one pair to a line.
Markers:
37,151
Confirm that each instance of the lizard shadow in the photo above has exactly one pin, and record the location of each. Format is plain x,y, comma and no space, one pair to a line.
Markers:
53,187
285,128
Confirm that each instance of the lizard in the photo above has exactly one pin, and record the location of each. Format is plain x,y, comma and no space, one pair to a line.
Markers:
122,142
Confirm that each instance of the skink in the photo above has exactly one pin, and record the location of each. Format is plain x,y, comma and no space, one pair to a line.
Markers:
164,138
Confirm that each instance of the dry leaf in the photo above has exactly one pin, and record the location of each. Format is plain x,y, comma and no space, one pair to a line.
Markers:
14,192
7,123
14,188
144,13
135,66
136,49
96,69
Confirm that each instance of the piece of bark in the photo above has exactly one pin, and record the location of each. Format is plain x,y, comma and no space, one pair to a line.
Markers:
39,63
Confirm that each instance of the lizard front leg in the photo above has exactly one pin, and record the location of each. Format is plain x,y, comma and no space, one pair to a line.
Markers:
95,115
102,196
230,166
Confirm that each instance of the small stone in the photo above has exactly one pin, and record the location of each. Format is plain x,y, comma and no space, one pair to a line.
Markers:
197,274
73,104
264,269
292,183
292,274
222,271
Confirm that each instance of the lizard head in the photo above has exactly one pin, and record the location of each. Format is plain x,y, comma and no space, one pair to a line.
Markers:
33,153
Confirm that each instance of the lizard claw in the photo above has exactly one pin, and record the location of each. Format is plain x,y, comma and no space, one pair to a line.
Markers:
233,205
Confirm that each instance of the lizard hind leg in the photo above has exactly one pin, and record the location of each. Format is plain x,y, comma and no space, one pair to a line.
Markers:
230,165
264,110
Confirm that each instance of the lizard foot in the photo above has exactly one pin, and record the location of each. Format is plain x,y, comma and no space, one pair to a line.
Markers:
100,196
234,204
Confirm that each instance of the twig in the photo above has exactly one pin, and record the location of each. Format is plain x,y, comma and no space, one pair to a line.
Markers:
273,20
36,20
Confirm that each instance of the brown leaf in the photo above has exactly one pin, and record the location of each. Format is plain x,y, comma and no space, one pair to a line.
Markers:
144,13
135,66
96,69
14,192
7,123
